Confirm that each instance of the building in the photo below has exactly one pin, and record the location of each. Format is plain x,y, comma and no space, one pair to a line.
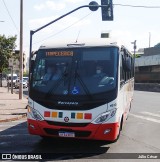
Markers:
14,62
147,66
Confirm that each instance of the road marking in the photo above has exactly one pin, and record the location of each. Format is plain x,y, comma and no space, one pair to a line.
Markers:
152,114
22,121
12,129
146,118
7,125
10,125
13,135
2,130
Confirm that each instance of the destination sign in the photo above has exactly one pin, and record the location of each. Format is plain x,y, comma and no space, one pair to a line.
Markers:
59,53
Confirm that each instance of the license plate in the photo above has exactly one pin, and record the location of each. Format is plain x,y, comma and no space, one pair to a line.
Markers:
66,134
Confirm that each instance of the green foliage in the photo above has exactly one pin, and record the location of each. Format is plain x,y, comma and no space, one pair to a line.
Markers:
7,45
25,74
157,45
137,55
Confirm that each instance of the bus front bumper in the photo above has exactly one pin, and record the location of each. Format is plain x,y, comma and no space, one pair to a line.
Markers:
107,131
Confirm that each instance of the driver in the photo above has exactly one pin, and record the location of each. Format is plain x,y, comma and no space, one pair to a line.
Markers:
99,72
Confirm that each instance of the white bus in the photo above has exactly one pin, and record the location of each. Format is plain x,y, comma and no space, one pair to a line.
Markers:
88,92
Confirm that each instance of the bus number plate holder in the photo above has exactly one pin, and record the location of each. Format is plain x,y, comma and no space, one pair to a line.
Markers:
66,134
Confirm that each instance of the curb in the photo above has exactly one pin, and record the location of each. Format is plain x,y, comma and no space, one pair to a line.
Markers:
14,119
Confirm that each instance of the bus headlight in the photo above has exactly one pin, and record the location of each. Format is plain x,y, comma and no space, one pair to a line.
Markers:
34,113
105,116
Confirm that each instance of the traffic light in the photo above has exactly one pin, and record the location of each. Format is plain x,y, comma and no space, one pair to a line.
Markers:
107,12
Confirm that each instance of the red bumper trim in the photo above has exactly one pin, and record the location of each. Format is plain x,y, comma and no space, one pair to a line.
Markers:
96,130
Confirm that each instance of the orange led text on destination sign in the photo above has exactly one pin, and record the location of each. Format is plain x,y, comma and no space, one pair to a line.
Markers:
60,53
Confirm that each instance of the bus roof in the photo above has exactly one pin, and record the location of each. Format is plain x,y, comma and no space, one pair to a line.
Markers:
67,44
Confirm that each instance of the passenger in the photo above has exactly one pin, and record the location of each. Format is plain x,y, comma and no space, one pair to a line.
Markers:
53,73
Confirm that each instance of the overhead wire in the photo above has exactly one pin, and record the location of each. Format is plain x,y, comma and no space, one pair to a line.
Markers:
123,5
63,29
137,6
14,24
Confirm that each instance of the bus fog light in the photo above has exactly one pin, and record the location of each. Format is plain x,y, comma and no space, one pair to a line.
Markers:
107,131
32,126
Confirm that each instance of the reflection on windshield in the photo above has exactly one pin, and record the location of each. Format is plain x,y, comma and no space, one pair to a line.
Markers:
88,71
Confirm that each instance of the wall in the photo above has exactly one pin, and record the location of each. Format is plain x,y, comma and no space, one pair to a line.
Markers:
150,87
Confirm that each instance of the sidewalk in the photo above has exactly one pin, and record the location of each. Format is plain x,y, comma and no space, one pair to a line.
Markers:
11,108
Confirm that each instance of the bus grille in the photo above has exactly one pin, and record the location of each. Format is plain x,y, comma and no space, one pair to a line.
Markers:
67,124
77,133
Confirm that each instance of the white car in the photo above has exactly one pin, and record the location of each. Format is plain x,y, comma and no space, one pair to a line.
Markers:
25,85
15,77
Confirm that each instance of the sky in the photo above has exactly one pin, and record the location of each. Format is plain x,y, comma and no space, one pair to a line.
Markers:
129,24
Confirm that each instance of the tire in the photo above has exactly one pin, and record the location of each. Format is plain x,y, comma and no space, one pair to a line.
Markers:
120,129
46,138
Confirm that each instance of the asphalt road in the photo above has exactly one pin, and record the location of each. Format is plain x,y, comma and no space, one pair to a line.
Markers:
140,135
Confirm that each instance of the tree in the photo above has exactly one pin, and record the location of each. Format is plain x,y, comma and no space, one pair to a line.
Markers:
7,45
157,45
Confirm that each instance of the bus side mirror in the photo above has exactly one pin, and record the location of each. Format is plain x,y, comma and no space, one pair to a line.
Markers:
32,64
33,57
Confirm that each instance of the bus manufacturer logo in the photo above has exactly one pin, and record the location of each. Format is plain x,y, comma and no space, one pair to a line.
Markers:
66,119
67,103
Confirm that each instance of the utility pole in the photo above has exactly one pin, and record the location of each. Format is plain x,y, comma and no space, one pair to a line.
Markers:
134,47
149,39
21,52
12,79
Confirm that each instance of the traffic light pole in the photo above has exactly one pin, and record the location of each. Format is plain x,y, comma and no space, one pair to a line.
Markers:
93,6
134,48
21,52
12,79
35,31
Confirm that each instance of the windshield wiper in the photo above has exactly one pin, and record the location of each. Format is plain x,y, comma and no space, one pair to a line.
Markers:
58,83
66,76
77,76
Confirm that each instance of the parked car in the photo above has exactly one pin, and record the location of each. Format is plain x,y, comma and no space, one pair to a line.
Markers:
14,79
27,80
25,84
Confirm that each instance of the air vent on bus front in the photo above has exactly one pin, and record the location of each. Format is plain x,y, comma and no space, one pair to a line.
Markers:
76,44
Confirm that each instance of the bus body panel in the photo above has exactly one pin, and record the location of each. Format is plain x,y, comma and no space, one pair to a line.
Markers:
91,131
97,131
53,122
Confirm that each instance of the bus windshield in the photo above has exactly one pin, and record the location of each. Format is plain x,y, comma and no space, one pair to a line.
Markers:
75,71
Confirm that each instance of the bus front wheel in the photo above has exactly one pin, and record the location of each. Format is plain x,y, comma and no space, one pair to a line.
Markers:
119,132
